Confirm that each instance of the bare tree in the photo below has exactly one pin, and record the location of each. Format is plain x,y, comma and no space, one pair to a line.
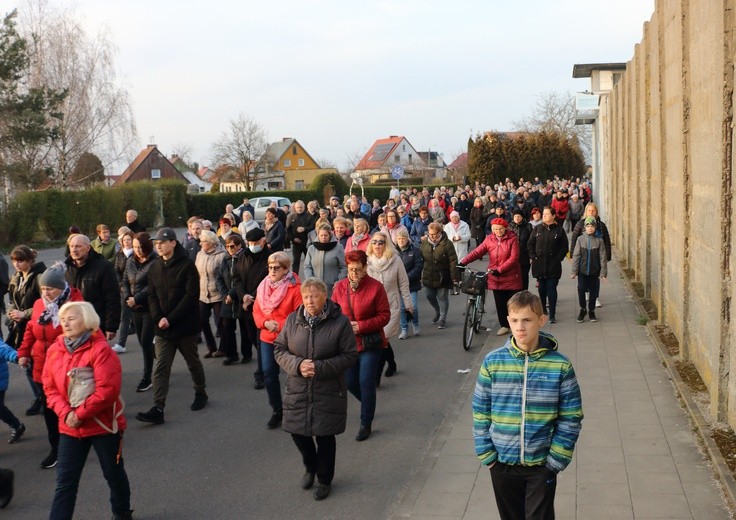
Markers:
97,112
242,146
554,112
352,160
326,163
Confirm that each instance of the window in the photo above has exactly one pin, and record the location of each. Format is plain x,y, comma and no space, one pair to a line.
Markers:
273,185
155,173
403,147
299,185
396,158
409,158
301,162
287,163
293,150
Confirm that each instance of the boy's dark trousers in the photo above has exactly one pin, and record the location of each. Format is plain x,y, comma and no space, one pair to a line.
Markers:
591,284
524,492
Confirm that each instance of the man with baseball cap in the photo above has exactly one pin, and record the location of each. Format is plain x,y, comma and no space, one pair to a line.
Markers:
173,296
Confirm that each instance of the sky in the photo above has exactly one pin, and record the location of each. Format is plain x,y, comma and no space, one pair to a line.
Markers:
337,75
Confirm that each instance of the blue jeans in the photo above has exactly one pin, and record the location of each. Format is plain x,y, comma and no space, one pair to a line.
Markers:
71,459
361,378
271,375
415,317
439,300
548,292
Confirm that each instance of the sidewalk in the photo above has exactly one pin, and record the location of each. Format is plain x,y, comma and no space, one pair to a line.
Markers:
637,456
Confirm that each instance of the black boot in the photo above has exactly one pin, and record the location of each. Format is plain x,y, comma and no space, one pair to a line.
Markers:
581,316
35,407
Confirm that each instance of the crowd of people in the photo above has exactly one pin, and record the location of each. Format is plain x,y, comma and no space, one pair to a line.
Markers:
364,265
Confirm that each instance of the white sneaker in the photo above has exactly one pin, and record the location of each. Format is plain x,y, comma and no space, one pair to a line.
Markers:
415,329
598,303
404,334
502,331
119,349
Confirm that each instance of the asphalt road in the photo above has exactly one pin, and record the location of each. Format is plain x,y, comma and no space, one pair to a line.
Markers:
222,462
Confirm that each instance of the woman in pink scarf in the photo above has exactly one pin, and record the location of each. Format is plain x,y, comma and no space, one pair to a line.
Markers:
277,296
393,225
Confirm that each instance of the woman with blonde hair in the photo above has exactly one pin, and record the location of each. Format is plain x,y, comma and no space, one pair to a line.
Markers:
387,267
360,237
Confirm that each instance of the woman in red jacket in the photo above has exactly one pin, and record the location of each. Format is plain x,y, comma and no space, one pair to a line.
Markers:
277,296
504,269
363,299
41,331
95,418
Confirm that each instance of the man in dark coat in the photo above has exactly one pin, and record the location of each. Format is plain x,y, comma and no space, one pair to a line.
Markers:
173,299
548,246
250,270
298,231
131,219
95,278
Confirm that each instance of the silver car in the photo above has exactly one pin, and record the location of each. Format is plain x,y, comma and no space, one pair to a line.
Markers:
261,203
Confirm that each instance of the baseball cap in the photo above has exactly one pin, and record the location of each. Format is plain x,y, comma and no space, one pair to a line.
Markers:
164,234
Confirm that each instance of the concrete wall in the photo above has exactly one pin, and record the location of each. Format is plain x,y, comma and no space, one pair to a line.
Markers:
669,180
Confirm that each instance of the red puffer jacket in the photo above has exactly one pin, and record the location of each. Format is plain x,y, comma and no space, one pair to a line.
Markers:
561,207
370,307
38,338
503,256
95,353
289,304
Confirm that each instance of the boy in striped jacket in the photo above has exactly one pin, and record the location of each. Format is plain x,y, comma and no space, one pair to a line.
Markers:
527,414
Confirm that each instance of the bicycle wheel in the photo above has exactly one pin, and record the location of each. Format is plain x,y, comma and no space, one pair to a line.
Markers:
469,328
479,304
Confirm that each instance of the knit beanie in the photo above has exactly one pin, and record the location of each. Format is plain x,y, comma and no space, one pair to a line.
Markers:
53,277
590,221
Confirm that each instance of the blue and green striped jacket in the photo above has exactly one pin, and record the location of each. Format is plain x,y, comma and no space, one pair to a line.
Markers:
527,408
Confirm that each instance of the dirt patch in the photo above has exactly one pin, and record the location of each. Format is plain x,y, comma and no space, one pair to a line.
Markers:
638,289
690,377
650,308
725,439
629,273
668,339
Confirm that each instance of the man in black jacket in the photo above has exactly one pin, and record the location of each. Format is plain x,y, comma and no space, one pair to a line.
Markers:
95,278
297,232
251,269
173,296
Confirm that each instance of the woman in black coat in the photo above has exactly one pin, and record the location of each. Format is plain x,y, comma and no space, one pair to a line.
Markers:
413,263
231,312
547,248
523,230
315,348
478,218
275,231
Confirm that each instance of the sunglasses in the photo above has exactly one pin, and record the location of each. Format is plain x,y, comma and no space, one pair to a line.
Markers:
378,242
274,267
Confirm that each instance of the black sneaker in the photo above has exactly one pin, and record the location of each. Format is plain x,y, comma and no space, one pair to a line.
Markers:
200,401
230,361
155,415
275,420
259,384
552,319
128,515
592,316
436,317
50,461
442,324
363,433
35,407
246,360
581,316
321,492
17,433
144,385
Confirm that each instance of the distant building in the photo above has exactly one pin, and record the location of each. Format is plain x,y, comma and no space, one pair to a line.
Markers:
150,165
435,161
376,164
458,169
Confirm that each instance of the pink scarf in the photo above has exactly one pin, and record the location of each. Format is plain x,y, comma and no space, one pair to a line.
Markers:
271,294
456,226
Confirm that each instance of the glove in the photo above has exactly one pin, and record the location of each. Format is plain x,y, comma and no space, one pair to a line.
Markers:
495,272
409,316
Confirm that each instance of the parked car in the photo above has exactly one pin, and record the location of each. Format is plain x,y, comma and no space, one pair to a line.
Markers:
261,203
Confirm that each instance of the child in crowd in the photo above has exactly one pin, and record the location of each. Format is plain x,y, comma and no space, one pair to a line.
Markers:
17,428
527,414
589,265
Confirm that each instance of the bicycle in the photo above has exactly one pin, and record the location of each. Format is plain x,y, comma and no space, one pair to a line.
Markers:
473,284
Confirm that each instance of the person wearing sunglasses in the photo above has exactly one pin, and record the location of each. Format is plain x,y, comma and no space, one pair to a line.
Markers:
387,267
277,296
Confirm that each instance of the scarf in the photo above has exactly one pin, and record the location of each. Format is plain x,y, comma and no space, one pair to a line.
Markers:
378,263
434,244
392,225
128,252
357,237
51,312
74,344
329,246
456,226
313,321
271,294
355,283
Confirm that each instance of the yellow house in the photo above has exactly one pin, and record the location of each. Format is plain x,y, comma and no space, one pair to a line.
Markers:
290,158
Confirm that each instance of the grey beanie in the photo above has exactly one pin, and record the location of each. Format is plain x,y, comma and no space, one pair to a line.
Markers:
53,277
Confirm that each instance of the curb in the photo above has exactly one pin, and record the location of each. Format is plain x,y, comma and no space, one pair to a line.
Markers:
725,477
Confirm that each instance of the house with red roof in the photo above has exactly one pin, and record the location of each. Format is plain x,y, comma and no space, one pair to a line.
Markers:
150,165
384,154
